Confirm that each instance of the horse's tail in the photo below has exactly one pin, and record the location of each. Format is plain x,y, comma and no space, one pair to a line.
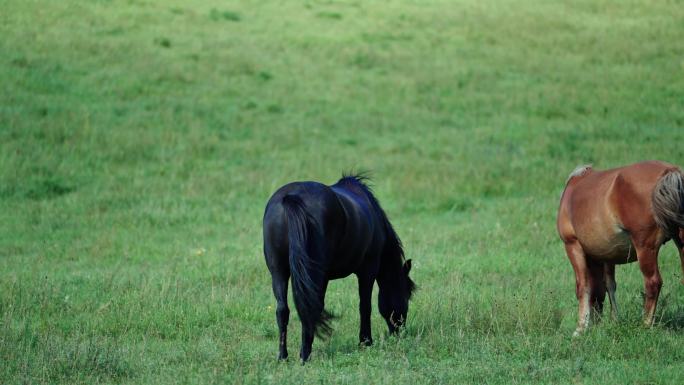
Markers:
668,204
305,238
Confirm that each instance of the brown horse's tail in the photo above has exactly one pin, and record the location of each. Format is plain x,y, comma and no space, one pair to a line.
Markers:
668,204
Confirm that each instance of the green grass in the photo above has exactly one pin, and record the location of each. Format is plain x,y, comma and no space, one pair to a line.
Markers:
140,141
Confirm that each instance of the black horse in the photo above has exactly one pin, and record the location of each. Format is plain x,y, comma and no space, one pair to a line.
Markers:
317,233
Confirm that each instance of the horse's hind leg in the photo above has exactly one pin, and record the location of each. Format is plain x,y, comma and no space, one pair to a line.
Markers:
279,277
582,288
598,288
282,312
648,263
308,332
680,247
609,278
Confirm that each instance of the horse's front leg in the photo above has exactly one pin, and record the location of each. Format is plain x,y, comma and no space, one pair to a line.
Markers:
598,288
365,293
611,286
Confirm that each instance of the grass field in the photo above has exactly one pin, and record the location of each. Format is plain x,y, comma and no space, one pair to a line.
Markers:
140,141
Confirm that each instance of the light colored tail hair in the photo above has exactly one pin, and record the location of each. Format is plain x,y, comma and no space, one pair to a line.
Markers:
578,171
668,203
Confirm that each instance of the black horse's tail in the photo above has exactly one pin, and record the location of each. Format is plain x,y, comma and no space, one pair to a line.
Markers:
305,238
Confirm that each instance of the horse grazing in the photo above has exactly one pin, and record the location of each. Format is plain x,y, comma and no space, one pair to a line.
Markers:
620,216
316,233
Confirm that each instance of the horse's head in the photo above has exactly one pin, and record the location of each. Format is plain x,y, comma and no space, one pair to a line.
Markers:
393,298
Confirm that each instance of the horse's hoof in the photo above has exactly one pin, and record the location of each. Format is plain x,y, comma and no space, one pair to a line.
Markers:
282,358
578,332
366,342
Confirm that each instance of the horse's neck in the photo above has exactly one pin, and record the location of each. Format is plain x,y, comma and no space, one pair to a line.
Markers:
390,271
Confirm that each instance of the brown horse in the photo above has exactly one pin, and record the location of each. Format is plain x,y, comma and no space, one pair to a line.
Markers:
620,216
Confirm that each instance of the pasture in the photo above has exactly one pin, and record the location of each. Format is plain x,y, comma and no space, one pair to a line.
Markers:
141,139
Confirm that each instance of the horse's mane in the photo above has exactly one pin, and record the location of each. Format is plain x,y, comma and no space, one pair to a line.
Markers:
393,247
361,179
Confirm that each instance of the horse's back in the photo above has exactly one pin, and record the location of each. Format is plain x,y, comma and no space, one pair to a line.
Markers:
350,222
363,233
602,208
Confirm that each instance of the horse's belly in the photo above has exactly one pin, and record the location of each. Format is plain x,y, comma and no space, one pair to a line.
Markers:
354,258
615,247
337,274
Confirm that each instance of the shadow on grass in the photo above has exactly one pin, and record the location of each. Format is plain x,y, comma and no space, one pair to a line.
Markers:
672,318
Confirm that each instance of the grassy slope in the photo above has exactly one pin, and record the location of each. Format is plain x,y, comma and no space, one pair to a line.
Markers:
139,141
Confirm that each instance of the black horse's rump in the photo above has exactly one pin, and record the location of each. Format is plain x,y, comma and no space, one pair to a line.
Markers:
303,234
315,233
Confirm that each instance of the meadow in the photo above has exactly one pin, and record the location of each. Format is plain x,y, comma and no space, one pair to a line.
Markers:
141,139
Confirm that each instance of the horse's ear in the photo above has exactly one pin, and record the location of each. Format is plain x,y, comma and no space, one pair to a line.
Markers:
407,266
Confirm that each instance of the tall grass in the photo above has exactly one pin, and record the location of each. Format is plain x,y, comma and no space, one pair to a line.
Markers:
140,140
